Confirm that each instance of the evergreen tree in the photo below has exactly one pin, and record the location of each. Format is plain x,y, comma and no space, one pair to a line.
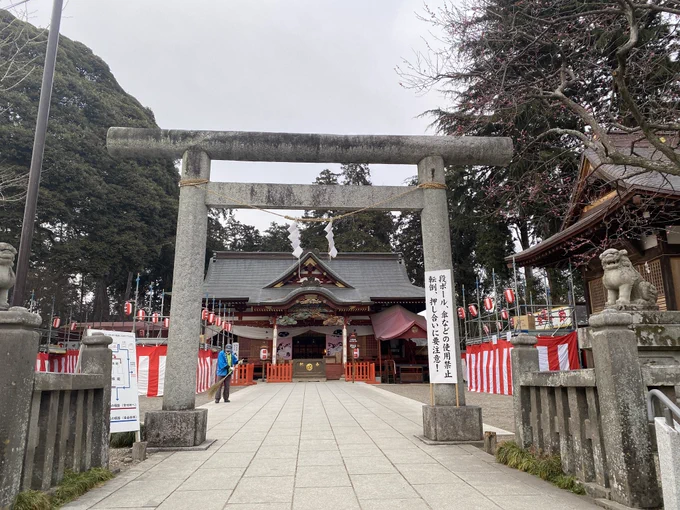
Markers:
99,219
275,238
369,231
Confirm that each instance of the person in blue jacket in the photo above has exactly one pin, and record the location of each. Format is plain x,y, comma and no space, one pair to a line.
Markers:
225,367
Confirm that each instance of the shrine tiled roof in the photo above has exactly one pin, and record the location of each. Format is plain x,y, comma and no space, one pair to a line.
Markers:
247,276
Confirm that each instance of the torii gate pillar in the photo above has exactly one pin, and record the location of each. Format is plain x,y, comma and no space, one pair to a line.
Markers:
444,421
180,424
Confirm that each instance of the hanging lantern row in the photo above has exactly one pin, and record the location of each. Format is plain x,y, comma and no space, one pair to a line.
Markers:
213,319
488,306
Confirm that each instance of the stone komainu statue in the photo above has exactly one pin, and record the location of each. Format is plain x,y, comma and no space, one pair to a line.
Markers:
625,287
7,278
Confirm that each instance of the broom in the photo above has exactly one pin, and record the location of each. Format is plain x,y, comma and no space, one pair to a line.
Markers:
215,387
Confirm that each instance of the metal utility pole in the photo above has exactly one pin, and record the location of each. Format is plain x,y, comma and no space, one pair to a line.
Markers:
37,157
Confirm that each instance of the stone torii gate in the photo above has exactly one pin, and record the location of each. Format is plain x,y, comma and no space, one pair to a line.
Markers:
179,424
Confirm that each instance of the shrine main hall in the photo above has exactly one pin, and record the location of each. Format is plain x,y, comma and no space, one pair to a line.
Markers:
316,305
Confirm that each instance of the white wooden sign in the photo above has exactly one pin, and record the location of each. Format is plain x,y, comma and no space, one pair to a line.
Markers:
124,396
441,340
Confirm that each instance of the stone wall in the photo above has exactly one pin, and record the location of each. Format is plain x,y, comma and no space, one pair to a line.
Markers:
595,418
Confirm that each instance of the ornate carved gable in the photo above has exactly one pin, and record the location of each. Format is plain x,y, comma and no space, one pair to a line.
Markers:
310,272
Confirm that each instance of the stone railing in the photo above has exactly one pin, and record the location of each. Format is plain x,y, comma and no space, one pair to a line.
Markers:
595,419
68,428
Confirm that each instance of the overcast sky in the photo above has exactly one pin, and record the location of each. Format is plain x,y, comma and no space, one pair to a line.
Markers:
318,66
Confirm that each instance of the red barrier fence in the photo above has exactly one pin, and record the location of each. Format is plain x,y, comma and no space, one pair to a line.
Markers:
363,372
243,375
279,373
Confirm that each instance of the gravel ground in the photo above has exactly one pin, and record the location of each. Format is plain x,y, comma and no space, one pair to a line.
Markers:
496,409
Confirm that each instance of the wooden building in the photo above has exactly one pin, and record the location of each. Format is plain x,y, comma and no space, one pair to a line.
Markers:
313,304
614,206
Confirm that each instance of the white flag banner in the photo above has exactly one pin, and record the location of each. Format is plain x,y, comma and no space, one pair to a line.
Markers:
294,237
440,336
331,240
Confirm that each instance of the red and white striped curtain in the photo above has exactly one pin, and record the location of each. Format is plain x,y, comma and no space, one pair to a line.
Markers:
151,370
489,369
58,363
150,367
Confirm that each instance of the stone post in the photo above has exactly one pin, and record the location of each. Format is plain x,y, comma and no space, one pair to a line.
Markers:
668,442
621,395
524,358
443,421
96,359
19,340
179,423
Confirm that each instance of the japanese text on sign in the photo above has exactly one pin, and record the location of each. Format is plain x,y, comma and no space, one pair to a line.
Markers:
440,334
124,397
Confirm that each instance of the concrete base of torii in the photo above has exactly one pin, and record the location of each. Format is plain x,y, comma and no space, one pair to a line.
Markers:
451,423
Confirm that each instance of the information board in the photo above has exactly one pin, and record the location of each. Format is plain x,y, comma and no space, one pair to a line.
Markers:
124,396
441,339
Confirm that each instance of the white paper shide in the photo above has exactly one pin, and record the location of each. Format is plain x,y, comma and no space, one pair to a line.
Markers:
440,332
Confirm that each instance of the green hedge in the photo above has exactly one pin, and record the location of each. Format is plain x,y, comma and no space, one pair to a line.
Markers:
546,467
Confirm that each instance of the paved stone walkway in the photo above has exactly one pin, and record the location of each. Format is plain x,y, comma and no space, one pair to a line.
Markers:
326,446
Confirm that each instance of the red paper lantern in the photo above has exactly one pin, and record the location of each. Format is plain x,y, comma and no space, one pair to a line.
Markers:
486,329
166,322
56,322
141,314
211,317
499,326
461,312
127,308
509,295
473,310
488,304
74,325
226,326
562,315
218,321
154,318
504,314
204,314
